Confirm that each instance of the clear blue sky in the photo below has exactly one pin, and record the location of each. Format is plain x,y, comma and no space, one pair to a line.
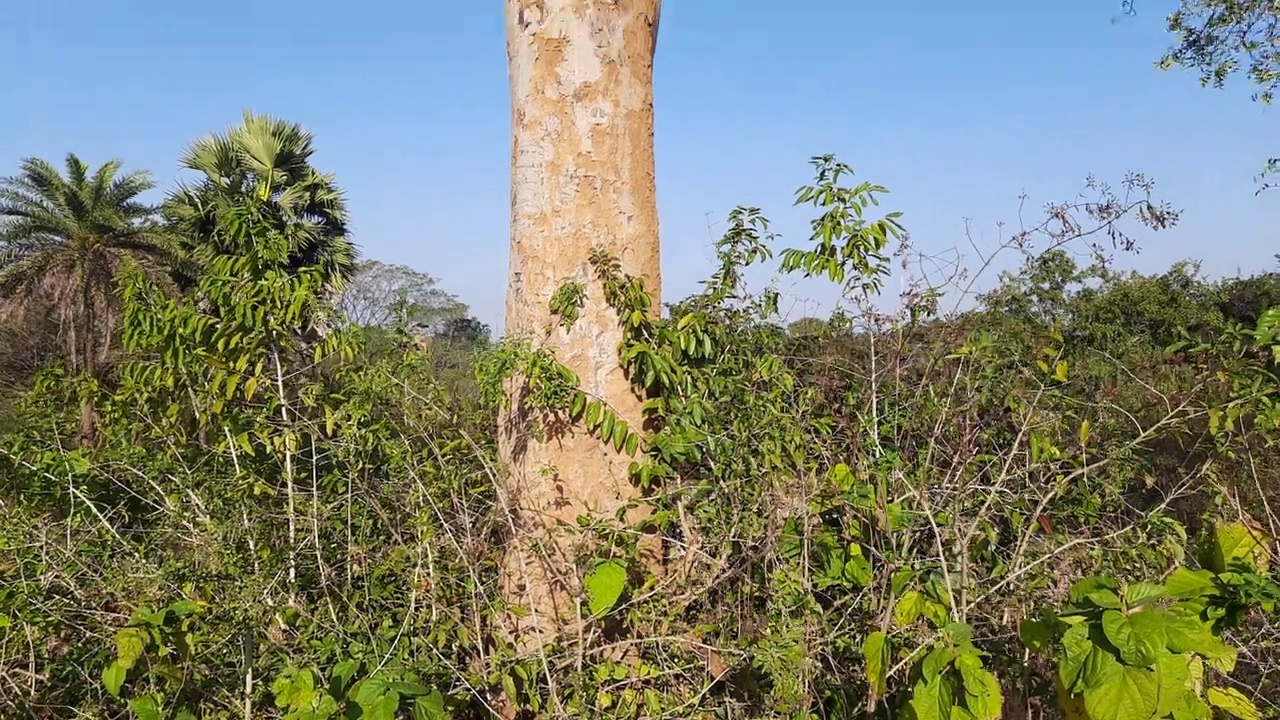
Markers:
956,107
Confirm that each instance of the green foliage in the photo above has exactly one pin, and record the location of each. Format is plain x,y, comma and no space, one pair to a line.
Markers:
853,511
267,160
1141,650
1218,38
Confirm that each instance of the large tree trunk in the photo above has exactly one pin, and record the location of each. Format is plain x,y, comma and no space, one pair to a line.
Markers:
582,176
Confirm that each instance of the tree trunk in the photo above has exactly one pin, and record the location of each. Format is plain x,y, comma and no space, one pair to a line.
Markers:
582,161
88,367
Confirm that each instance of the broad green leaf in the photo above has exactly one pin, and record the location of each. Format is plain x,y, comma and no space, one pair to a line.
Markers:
113,677
1188,633
1141,593
367,691
147,707
1128,693
908,608
429,707
1081,588
1233,702
1192,708
876,653
934,699
1138,636
1189,584
382,708
935,612
982,694
408,689
619,434
1174,683
1099,666
340,676
857,569
1105,599
936,662
1071,665
604,586
1236,542
130,644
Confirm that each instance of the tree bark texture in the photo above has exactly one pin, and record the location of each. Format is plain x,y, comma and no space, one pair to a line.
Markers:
582,167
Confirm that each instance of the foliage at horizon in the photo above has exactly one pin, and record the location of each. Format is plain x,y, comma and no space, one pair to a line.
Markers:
1056,501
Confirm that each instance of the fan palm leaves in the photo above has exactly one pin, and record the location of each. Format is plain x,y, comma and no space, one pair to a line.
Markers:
64,237
267,159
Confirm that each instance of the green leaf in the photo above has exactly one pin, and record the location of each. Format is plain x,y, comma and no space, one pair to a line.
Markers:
982,695
1189,584
1105,599
1188,633
934,699
113,677
1081,588
604,586
876,653
593,414
633,443
429,707
908,608
341,675
1192,708
619,434
131,642
1236,542
857,569
1141,593
1232,702
935,663
366,692
1127,693
1174,683
147,707
578,405
1098,666
409,689
935,612
382,708
1138,636
1071,666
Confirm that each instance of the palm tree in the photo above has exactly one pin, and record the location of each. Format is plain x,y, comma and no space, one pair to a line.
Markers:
63,242
267,159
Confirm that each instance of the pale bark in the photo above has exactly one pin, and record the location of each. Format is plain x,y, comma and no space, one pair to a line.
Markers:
582,163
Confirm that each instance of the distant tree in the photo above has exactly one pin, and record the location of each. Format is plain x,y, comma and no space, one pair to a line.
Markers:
806,327
63,241
270,159
381,294
465,330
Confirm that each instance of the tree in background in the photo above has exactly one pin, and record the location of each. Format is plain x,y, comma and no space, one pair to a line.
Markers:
1218,38
581,76
270,159
381,294
63,242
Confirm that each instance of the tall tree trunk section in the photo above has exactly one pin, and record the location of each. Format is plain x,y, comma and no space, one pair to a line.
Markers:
88,364
582,171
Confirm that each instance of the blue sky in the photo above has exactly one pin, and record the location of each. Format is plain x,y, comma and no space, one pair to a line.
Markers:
957,107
